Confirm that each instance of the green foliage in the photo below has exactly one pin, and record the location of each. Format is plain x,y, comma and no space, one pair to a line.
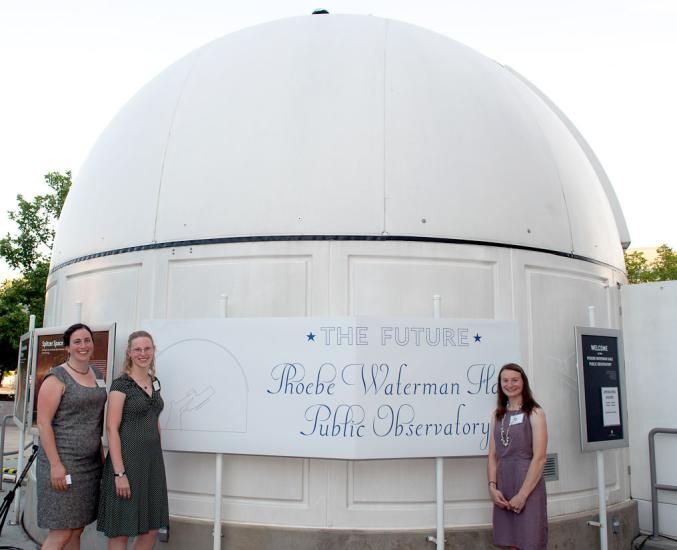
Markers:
35,219
18,298
637,267
28,251
661,268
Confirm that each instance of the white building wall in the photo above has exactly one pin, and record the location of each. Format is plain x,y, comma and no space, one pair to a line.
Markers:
547,293
649,328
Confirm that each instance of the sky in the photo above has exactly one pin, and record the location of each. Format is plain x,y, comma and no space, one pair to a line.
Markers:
68,66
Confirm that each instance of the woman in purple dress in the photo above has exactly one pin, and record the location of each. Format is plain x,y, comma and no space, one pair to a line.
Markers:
519,437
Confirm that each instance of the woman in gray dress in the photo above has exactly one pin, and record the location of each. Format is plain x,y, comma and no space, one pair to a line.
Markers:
70,420
517,452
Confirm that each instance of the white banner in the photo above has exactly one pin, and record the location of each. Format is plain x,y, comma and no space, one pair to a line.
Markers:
334,387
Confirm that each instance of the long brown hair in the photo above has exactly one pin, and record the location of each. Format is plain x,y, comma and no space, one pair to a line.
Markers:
127,365
528,401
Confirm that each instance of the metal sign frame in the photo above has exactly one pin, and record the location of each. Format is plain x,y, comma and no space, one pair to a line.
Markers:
38,333
22,387
601,372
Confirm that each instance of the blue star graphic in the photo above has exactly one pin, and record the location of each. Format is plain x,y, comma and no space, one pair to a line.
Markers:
477,338
310,336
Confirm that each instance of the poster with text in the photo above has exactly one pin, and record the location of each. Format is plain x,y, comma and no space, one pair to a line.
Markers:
341,387
49,351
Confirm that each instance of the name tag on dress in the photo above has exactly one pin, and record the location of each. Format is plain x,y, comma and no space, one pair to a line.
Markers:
100,383
516,419
156,385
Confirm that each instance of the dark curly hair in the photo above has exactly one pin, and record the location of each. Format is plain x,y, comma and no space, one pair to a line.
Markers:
71,329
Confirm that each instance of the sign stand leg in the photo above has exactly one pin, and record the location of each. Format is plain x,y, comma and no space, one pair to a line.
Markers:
22,438
601,491
439,498
218,478
218,474
601,488
439,466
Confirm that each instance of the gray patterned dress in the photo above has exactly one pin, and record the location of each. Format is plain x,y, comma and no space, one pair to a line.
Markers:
77,425
147,508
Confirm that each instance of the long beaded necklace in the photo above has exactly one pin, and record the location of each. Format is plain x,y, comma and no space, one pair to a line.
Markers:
505,432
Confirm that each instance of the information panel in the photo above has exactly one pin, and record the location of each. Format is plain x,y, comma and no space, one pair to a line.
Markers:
601,388
21,391
348,387
49,351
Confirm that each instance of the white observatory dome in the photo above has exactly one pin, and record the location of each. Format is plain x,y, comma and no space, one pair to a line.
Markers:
340,126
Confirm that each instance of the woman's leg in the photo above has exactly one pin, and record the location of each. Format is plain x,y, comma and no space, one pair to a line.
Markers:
117,543
74,541
146,541
57,539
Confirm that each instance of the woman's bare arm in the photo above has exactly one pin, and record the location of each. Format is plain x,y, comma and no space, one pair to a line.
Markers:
116,402
492,468
49,399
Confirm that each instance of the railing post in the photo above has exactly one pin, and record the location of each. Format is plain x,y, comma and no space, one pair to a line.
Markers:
655,486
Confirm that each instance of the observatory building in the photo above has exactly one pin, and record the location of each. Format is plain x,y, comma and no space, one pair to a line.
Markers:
349,165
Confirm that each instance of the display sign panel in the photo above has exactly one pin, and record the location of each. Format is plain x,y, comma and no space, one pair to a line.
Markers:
348,387
22,387
601,388
49,352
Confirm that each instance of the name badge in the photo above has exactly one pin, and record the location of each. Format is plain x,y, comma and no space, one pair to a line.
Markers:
156,385
516,419
100,383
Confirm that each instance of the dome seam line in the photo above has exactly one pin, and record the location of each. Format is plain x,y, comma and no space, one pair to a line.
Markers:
198,53
291,238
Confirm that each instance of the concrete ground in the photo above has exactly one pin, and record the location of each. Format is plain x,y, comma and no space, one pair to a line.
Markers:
12,535
645,542
15,536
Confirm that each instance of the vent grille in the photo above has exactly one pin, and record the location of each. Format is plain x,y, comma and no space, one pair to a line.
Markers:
551,468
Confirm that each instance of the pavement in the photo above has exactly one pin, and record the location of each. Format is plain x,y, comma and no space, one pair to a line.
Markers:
13,536
658,543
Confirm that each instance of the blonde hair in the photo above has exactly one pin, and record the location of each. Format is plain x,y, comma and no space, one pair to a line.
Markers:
127,365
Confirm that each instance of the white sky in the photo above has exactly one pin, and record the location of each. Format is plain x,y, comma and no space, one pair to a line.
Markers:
67,66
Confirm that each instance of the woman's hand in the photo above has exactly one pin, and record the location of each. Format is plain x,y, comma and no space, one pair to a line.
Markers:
517,502
57,475
122,488
498,498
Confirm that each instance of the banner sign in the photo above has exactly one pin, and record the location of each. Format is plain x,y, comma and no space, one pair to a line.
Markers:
20,393
49,352
601,388
335,387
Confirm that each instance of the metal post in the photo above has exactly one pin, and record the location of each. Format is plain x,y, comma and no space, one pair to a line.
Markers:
22,431
2,445
439,466
601,485
218,484
218,474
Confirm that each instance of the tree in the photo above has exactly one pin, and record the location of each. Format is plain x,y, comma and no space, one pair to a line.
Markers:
662,268
28,251
665,264
637,267
32,245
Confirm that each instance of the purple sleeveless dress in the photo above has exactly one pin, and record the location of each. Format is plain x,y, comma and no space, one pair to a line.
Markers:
527,530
